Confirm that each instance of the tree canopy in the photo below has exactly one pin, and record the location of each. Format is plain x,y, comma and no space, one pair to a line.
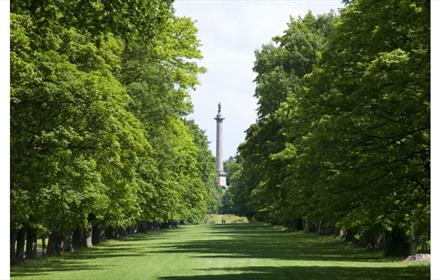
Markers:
342,140
100,93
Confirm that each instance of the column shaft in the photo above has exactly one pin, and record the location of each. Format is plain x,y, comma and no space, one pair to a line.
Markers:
219,150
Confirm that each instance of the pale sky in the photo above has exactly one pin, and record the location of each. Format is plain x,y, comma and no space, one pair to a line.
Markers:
230,32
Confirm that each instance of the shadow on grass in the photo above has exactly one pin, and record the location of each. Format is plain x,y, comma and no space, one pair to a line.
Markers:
39,269
77,261
253,241
241,241
312,273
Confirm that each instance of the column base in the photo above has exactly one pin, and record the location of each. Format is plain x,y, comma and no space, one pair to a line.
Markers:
221,180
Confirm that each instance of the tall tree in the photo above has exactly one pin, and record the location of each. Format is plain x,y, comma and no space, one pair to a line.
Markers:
280,70
342,138
99,92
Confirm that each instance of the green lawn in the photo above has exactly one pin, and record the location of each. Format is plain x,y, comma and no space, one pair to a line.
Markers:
239,252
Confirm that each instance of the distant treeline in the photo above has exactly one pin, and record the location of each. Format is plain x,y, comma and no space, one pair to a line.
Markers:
342,140
100,145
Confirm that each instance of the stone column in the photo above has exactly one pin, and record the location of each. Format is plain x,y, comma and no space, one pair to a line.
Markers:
221,175
219,154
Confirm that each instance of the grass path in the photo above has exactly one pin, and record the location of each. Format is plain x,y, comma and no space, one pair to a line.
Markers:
231,252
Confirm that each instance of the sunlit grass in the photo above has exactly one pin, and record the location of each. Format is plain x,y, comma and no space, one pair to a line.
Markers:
228,219
238,251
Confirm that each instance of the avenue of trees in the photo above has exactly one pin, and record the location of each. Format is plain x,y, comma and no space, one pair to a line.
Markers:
100,142
342,140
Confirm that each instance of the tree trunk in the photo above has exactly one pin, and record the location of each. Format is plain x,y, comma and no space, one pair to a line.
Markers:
78,239
31,245
51,245
150,226
396,242
132,230
412,240
88,236
12,242
341,233
298,224
21,236
110,233
67,242
306,225
380,242
55,244
43,246
98,233
122,232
